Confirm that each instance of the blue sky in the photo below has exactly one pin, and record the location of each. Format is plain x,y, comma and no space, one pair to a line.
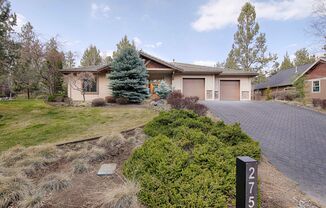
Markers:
198,31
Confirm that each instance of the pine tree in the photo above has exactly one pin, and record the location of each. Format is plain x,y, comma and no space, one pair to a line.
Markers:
91,57
249,49
286,63
303,57
163,90
231,62
128,77
124,43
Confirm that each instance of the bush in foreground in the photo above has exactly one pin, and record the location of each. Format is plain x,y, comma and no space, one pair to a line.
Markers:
189,162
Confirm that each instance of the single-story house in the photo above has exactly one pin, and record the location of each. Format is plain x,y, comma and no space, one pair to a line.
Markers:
208,83
315,80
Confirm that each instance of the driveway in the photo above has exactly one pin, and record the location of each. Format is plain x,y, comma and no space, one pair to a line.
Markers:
293,138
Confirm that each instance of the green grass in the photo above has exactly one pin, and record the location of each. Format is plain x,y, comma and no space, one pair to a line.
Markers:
32,122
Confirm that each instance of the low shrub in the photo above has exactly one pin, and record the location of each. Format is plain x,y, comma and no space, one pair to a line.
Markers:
122,100
323,104
112,143
174,95
54,182
189,161
110,99
177,101
96,154
56,98
288,95
97,102
316,102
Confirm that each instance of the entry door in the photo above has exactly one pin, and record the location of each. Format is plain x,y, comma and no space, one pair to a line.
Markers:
230,89
194,87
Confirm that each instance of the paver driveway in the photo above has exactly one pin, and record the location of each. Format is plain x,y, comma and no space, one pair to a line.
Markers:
293,138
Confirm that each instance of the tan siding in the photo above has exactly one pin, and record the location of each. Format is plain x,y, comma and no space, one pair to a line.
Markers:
319,71
311,95
102,91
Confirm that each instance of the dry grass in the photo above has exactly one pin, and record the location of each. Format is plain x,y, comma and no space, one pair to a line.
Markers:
55,182
12,189
80,166
32,200
96,154
112,143
123,196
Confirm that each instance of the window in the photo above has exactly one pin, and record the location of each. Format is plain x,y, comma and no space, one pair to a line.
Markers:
90,86
315,86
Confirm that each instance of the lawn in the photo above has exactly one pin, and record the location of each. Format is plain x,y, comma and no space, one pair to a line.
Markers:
32,122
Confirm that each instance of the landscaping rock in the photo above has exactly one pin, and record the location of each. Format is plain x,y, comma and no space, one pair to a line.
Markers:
107,169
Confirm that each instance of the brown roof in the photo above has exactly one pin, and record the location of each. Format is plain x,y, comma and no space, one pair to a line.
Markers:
87,69
230,72
148,56
194,68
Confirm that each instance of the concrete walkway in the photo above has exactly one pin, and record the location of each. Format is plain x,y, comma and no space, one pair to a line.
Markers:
293,138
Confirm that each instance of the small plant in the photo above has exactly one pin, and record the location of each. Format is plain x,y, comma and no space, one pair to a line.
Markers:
316,102
112,143
97,102
173,96
96,154
54,182
163,90
79,167
122,100
32,200
12,189
198,108
323,104
268,93
110,99
119,197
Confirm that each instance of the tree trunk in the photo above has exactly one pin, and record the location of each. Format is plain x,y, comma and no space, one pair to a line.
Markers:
28,95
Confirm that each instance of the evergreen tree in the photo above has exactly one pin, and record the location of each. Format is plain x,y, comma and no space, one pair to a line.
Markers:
91,57
303,57
163,90
231,62
8,46
107,60
249,50
286,63
26,74
128,77
124,43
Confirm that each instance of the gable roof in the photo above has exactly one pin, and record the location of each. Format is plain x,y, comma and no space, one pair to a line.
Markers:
165,63
87,69
320,60
283,78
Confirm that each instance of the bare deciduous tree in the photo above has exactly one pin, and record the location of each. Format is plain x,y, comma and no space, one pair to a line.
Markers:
318,24
80,81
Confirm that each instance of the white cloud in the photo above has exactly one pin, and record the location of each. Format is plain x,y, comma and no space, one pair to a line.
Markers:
100,10
205,63
20,21
155,45
217,14
137,41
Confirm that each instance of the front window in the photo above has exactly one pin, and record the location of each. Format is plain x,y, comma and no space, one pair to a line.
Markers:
315,86
90,85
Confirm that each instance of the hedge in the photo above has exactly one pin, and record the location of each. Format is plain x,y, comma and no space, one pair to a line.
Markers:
189,161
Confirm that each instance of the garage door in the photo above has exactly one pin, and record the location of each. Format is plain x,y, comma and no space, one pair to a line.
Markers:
230,89
194,87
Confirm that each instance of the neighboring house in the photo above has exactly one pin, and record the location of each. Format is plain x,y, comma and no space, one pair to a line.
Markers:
315,80
208,83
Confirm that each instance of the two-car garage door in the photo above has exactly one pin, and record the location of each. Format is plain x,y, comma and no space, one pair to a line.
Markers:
229,89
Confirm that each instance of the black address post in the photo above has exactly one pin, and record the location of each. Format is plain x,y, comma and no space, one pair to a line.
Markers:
246,182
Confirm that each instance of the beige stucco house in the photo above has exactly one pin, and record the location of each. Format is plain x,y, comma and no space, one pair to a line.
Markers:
208,83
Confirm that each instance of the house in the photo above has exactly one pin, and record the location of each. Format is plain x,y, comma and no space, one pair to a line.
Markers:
208,83
314,76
